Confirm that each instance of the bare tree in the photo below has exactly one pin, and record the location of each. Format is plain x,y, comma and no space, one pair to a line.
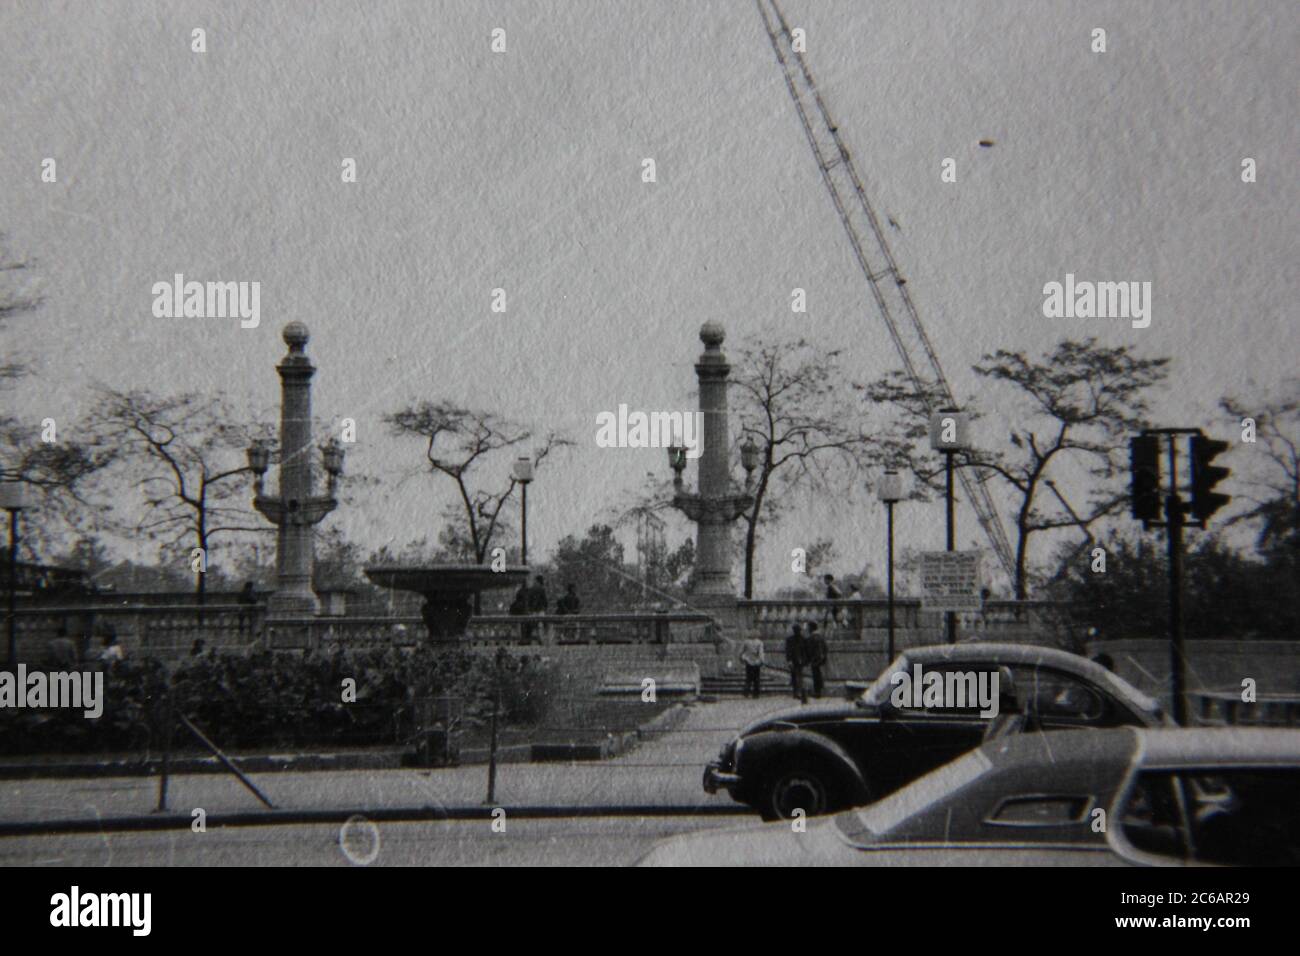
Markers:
187,453
1270,483
1078,401
805,424
459,440
55,468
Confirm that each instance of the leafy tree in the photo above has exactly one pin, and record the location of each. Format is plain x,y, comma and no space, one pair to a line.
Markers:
595,565
1225,594
1078,402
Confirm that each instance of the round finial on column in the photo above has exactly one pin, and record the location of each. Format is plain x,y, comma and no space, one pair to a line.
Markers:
295,336
712,334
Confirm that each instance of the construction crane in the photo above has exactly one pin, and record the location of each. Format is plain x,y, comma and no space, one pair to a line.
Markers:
870,248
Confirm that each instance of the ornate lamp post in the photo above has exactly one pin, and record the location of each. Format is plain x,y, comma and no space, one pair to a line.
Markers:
890,491
294,511
13,499
523,472
716,504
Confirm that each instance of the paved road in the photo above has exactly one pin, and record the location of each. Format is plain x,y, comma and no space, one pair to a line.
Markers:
604,841
663,771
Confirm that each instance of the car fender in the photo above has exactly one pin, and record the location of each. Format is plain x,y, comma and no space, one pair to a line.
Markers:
763,750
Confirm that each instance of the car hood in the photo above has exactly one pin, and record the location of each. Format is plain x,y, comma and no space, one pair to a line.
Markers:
823,844
807,715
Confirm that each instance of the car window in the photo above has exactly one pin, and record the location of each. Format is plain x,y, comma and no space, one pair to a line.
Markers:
1041,811
1052,694
1245,816
969,685
1152,817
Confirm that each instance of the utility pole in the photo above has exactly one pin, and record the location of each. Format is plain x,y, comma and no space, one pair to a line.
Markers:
1174,535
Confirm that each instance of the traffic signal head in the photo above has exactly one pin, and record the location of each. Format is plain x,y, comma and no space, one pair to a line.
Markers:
1205,500
1144,472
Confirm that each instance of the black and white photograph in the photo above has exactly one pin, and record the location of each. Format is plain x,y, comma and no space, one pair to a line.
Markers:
650,433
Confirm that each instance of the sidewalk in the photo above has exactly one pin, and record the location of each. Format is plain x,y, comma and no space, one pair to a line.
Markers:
664,770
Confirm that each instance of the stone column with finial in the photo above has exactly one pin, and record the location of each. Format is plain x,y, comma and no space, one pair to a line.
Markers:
718,502
295,511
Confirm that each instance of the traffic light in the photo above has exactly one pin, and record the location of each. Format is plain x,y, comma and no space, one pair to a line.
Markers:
1205,500
1144,471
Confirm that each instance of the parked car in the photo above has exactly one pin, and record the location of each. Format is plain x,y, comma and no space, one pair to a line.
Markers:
821,759
1127,796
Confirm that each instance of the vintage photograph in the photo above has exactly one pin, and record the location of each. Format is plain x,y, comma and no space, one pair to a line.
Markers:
649,433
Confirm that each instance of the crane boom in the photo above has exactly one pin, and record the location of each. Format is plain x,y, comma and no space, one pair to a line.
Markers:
875,258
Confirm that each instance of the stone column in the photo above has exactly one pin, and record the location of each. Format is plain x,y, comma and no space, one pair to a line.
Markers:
713,551
295,553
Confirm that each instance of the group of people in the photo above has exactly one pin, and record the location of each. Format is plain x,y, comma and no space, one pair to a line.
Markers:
805,647
532,600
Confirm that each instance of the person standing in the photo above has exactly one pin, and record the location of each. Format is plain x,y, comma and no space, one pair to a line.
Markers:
794,659
247,602
537,603
751,655
569,602
112,652
817,654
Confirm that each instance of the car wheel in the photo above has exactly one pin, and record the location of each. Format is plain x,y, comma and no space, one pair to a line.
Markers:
799,788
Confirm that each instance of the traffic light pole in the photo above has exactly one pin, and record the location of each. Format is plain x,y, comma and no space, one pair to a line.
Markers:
1174,519
1144,465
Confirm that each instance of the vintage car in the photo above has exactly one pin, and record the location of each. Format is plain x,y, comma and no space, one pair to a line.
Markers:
820,759
1126,796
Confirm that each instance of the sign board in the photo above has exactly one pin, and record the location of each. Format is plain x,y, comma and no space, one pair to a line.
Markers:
949,430
950,581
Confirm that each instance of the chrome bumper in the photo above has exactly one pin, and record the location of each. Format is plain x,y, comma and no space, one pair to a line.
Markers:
716,779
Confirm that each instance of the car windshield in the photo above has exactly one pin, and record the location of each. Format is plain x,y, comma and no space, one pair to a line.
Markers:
886,814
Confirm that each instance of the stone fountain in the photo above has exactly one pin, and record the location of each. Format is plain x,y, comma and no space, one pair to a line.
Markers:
448,590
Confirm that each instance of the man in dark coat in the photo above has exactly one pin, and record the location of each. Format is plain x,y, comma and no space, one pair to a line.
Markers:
569,602
795,657
537,604
816,654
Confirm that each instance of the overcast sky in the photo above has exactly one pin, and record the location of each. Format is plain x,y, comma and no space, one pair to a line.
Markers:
522,171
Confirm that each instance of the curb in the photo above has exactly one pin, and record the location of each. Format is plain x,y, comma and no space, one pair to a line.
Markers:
176,821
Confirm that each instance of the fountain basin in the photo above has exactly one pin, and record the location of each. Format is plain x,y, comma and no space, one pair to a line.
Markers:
448,590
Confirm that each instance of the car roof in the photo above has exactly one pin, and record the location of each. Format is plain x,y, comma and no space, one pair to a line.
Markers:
1152,747
1219,746
1002,653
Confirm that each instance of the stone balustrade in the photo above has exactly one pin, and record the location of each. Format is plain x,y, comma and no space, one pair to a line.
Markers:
170,631
868,618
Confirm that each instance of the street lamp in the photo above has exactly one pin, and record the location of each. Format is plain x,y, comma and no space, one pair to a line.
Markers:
259,460
677,462
332,456
523,472
13,498
749,460
890,491
948,428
